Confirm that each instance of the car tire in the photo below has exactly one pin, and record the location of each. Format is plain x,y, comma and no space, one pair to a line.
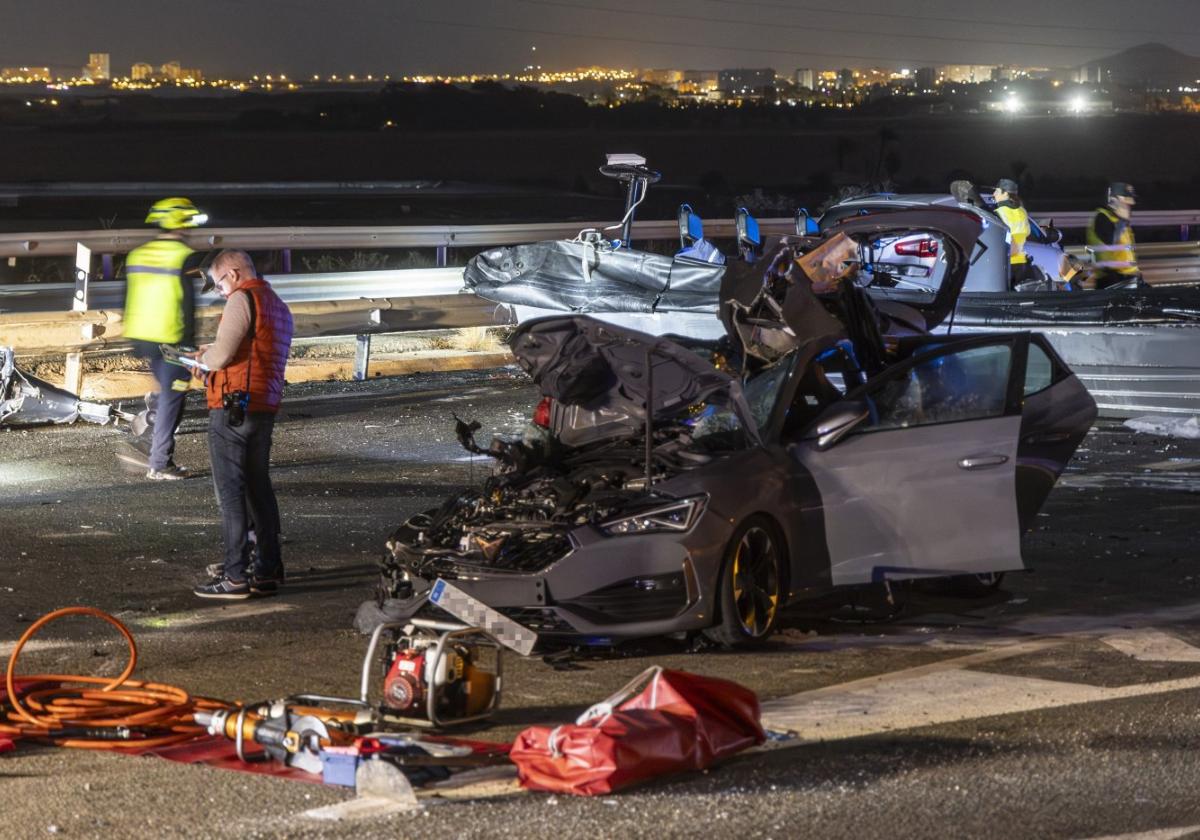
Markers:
753,585
975,586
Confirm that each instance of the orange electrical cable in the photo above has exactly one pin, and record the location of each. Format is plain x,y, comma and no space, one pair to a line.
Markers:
94,718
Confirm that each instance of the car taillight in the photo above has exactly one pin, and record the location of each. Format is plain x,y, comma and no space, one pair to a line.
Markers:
541,414
917,248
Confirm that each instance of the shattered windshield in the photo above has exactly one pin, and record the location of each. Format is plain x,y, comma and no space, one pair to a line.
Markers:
762,390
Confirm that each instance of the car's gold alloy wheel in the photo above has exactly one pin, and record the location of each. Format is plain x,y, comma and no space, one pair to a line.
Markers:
756,581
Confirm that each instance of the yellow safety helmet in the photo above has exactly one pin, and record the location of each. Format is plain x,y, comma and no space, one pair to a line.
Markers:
175,213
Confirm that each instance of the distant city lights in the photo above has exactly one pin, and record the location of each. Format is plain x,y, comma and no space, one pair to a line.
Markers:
959,88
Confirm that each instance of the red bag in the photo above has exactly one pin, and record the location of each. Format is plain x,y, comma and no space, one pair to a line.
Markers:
679,721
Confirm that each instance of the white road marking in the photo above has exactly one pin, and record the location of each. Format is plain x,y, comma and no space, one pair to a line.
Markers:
1083,481
1173,464
75,534
1157,834
198,618
944,692
1067,625
169,621
6,648
1150,645
362,808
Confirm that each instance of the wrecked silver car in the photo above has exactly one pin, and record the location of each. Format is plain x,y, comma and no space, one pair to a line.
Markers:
824,444
26,400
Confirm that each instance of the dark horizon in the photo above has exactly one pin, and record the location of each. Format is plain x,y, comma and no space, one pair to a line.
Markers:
301,37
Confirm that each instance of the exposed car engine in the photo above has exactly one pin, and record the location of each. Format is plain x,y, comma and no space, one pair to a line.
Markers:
519,520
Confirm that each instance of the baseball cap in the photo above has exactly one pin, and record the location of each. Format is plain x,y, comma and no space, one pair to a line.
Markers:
1120,189
1009,186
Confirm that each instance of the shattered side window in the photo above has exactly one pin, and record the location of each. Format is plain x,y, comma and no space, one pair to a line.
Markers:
967,385
762,391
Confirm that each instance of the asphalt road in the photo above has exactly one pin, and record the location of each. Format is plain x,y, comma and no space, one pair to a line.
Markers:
1064,705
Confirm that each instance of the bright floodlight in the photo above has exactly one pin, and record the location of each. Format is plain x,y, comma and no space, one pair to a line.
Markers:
1013,104
1078,105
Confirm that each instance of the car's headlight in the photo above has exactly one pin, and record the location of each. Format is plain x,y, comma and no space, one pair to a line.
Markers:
677,516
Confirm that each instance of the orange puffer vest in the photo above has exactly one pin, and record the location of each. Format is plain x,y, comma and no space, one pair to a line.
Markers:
262,356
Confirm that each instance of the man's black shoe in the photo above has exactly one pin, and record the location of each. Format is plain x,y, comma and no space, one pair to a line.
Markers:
266,583
223,588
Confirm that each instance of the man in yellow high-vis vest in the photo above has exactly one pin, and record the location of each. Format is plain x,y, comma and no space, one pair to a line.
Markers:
1013,213
160,309
1110,239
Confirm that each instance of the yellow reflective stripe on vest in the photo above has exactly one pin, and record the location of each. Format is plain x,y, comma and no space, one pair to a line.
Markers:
1017,220
154,291
1119,256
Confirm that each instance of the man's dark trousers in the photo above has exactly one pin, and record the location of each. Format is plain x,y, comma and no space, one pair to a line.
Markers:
168,402
241,458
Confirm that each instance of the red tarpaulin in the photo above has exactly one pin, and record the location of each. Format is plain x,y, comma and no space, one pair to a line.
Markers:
679,721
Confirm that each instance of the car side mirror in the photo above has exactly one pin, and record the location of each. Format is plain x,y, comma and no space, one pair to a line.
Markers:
842,419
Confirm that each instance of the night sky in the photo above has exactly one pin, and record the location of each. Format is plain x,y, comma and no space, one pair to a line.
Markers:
302,37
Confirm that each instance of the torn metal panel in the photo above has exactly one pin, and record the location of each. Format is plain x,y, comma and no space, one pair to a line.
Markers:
579,361
590,275
26,400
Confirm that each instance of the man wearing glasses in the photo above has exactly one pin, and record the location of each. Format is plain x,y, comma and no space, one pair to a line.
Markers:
244,386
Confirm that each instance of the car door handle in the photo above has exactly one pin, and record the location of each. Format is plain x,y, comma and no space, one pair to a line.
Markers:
980,462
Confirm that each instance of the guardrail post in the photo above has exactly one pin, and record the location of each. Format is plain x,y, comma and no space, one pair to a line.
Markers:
362,356
1184,232
442,251
362,347
286,260
73,372
106,266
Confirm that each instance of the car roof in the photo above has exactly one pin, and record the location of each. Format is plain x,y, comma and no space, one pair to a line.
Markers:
902,200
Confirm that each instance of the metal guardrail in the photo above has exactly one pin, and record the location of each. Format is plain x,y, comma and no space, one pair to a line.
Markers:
1141,219
40,333
1161,263
426,302
293,288
62,243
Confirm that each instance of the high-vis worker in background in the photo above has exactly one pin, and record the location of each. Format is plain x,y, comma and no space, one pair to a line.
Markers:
160,309
1012,212
1110,239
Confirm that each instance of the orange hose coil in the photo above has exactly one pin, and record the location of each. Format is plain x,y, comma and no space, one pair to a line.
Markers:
165,710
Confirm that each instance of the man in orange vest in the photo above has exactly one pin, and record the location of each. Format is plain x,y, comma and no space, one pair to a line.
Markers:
244,386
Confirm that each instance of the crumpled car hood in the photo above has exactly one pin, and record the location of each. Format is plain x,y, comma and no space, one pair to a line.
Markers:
578,360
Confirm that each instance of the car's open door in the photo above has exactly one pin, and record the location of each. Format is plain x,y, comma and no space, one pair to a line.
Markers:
916,468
